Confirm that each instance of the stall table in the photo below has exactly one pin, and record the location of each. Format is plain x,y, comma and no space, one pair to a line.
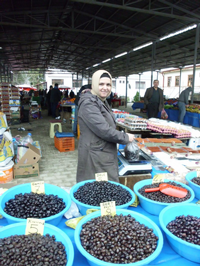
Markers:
166,258
116,103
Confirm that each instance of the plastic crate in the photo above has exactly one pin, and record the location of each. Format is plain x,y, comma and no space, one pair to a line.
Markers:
64,144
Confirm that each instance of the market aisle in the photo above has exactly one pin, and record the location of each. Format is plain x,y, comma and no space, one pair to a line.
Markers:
57,168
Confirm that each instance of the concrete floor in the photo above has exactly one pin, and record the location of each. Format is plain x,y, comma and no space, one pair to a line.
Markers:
58,168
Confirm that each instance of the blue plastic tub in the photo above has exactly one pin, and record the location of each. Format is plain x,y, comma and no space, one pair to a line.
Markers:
155,207
183,248
84,207
26,188
140,218
19,229
193,186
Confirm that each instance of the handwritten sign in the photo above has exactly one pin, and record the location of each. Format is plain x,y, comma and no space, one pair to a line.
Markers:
158,179
38,187
108,208
198,172
34,226
101,176
136,202
198,202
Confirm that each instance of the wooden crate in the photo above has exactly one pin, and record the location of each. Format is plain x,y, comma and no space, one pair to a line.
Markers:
131,180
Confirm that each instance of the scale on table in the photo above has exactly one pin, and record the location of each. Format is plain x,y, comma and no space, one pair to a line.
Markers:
127,167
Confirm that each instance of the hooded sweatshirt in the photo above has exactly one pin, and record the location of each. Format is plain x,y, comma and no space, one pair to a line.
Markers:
95,82
184,95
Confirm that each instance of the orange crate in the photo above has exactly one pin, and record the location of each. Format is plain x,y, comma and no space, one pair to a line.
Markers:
64,144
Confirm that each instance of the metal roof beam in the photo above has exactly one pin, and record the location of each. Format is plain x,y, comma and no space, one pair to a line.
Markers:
140,10
67,29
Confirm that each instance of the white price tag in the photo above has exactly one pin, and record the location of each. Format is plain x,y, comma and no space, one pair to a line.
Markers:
158,179
108,208
34,226
38,187
101,176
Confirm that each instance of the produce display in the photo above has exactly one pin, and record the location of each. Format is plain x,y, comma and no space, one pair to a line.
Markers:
135,122
178,133
32,205
159,196
187,228
118,239
196,180
94,193
32,249
193,108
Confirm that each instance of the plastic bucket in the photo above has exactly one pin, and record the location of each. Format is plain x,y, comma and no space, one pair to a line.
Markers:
138,217
155,207
19,229
6,173
193,186
183,248
26,188
84,207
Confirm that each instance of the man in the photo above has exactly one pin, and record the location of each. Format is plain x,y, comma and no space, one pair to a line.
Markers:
183,102
48,100
153,100
54,99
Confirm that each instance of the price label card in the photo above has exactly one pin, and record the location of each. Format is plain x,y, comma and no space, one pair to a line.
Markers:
101,176
38,187
198,172
108,208
34,226
158,179
198,202
136,202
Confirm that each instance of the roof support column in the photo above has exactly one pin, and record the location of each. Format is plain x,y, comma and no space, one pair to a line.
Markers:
139,83
152,60
195,58
180,79
126,91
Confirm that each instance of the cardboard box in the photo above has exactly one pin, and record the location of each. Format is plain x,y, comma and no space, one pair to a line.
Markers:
28,165
131,180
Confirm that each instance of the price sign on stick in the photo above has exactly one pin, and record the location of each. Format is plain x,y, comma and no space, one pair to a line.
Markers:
198,172
108,208
38,187
34,226
101,176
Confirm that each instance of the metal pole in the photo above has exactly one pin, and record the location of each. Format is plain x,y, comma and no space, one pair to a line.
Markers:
152,60
180,80
139,84
195,57
126,91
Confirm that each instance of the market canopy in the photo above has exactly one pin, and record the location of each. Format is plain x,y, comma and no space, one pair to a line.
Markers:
26,87
85,35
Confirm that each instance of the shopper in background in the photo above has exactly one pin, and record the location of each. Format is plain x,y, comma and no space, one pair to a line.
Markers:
48,100
54,99
66,94
183,102
72,95
153,100
82,90
97,150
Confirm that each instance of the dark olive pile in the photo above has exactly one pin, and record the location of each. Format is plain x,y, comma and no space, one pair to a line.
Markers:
34,249
159,196
186,228
196,180
118,239
32,205
93,193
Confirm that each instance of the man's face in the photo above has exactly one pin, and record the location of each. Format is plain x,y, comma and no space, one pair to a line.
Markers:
156,83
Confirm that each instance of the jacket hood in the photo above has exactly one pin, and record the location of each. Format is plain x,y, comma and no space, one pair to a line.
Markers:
95,82
87,96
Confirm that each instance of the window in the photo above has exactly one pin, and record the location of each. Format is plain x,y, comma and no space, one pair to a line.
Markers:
177,79
190,80
142,85
59,81
77,83
169,80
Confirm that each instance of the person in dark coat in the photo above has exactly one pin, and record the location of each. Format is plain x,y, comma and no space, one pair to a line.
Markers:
48,100
153,100
72,95
82,89
97,150
54,99
183,102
